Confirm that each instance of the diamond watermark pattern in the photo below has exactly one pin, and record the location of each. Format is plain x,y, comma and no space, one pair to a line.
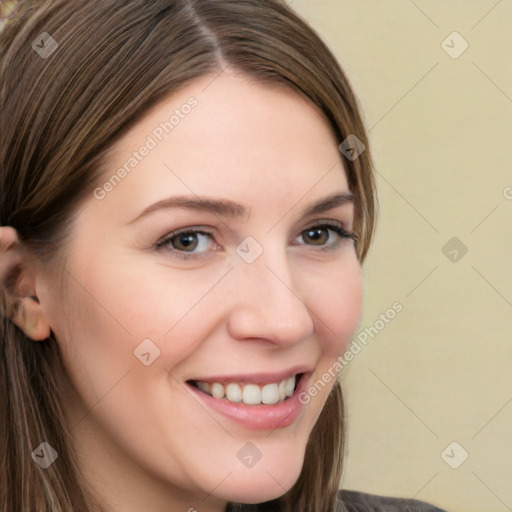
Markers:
146,352
249,455
352,147
45,455
454,250
454,455
454,45
44,45
249,250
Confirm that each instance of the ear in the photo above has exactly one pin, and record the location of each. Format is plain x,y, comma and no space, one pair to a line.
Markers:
18,279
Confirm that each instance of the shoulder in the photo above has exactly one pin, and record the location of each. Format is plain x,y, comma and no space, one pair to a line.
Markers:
355,501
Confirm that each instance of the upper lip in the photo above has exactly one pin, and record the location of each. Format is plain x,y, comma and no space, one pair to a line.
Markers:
260,378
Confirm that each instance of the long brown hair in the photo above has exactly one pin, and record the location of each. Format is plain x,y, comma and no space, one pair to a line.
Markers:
61,113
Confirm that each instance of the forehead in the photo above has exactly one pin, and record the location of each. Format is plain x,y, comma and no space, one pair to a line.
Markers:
227,136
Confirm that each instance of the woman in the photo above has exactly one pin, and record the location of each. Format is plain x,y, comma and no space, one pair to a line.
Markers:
186,200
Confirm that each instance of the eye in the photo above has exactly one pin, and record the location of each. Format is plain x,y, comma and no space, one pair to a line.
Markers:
186,243
189,243
322,234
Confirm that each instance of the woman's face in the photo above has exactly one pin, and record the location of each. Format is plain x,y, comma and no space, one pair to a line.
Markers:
247,296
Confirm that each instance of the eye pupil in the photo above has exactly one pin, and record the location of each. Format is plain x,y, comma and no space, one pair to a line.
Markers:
187,241
317,235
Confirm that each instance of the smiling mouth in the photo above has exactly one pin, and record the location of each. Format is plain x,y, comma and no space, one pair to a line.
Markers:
250,393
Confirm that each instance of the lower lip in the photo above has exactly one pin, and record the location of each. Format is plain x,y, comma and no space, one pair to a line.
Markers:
258,417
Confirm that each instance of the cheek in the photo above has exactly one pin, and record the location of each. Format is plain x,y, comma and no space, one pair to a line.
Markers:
105,320
336,301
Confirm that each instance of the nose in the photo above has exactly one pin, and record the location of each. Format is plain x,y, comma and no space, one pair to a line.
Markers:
266,304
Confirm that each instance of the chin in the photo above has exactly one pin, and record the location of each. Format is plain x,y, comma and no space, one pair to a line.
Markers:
258,485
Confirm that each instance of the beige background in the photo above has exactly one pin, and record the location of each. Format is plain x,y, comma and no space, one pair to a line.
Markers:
441,370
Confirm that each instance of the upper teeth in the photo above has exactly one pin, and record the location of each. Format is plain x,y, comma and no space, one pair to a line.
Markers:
250,394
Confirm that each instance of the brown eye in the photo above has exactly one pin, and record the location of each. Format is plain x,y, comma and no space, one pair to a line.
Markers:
327,235
317,236
184,241
189,243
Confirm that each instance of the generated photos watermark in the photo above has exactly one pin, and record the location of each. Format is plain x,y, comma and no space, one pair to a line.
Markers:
156,137
352,351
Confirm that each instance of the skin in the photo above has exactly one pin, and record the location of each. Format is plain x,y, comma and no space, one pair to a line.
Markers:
144,441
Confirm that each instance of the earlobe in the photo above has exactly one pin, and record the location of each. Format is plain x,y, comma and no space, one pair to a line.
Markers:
17,277
31,320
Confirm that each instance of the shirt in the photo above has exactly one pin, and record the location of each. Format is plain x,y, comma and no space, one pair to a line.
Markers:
355,501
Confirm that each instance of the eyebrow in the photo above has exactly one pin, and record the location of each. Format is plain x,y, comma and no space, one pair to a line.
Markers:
228,208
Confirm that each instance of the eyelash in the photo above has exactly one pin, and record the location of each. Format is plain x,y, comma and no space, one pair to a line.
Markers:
330,225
